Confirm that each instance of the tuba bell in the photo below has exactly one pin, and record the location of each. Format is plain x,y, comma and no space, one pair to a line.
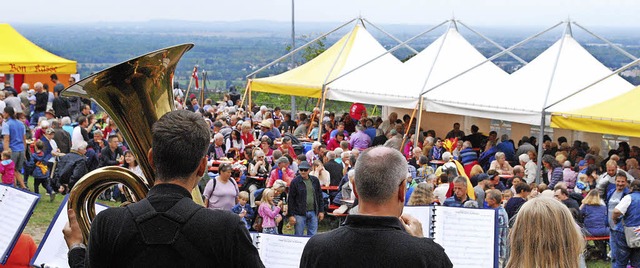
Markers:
135,94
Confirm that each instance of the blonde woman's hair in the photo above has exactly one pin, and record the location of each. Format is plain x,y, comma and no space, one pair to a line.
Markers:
265,195
422,195
592,198
545,235
475,170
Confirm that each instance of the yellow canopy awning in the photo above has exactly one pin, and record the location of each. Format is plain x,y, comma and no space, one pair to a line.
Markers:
307,79
615,116
18,55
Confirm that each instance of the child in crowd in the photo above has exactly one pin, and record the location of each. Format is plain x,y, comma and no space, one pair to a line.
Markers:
40,171
7,168
582,185
269,212
243,208
506,195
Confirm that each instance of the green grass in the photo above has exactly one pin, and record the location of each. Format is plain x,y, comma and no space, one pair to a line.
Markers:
45,210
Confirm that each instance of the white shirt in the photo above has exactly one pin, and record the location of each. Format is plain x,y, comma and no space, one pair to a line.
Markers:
530,172
54,147
441,192
624,204
76,136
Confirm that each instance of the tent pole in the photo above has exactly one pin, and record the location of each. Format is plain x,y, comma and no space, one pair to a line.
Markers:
392,37
540,148
493,57
324,100
494,43
298,49
417,132
387,52
621,69
246,89
546,98
619,49
435,59
406,130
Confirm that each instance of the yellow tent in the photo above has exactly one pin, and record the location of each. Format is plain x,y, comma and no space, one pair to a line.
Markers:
307,79
19,56
614,116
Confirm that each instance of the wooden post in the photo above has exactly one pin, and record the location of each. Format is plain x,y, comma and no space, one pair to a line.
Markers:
324,101
406,132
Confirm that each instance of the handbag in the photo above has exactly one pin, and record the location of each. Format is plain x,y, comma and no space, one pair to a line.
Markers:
257,224
632,235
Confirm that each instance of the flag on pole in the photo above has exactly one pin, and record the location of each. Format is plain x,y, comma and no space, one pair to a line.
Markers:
195,76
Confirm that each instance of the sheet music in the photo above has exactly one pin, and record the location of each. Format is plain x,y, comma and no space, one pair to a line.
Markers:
281,251
52,251
467,235
423,214
16,208
255,239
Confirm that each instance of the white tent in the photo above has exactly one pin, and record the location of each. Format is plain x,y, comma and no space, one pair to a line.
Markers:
444,59
355,69
372,76
488,92
575,69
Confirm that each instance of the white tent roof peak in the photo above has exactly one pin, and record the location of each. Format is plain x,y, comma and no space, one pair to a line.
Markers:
576,68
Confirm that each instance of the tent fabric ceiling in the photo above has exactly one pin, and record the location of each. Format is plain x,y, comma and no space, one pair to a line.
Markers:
18,55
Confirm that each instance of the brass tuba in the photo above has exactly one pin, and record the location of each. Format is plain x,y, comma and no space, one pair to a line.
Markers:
135,94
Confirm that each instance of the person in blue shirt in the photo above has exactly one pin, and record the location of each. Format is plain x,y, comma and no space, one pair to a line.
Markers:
14,133
459,197
243,208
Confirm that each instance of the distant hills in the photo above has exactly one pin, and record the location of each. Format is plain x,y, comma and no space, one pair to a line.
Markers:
231,50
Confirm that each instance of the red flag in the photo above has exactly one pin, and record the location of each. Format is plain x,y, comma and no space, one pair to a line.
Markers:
195,76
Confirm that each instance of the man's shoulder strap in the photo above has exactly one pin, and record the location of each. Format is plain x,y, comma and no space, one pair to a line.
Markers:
165,228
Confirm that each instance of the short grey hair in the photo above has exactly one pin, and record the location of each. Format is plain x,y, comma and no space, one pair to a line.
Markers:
500,155
494,194
338,152
379,172
524,158
79,145
446,156
460,179
331,155
65,120
24,87
218,136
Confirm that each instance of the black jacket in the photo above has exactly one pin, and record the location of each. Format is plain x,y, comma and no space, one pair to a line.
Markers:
219,236
335,172
71,167
372,241
108,157
63,140
298,196
60,106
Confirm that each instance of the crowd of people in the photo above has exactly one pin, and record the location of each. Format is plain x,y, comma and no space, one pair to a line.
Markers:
474,170
276,170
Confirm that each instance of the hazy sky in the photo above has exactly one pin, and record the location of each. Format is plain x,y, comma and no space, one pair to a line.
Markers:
475,12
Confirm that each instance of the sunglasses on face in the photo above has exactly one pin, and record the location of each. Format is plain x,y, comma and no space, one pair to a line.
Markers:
303,170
